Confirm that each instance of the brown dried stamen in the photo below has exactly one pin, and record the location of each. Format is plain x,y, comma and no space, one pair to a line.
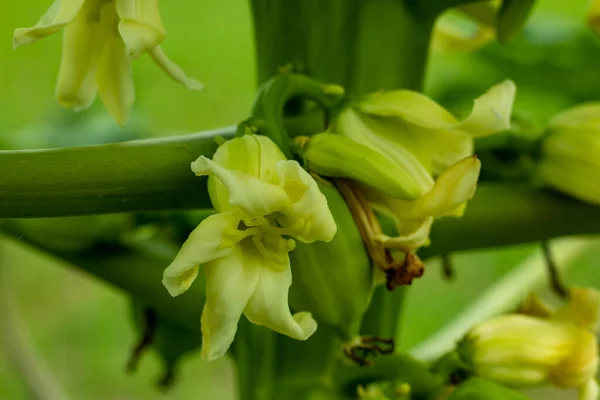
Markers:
397,272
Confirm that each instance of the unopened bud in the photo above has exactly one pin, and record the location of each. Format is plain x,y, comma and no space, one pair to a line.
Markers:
519,350
337,156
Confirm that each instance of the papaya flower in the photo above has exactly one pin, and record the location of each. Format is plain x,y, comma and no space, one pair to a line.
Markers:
101,38
263,203
432,146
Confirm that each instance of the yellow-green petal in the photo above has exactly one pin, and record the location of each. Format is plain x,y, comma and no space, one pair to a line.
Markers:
490,114
213,239
230,282
307,203
583,116
173,70
454,187
60,13
114,78
83,44
253,196
269,306
413,234
140,25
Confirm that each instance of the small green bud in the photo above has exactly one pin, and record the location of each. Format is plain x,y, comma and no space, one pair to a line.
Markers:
337,156
484,389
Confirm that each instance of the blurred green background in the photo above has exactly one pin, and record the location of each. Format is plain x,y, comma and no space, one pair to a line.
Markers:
82,328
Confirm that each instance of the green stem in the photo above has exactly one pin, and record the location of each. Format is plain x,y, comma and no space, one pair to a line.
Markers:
362,45
150,174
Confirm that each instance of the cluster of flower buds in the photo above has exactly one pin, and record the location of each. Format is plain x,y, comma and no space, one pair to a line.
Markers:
543,347
408,158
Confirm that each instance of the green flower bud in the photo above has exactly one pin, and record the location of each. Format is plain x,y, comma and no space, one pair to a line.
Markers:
333,280
338,156
570,155
519,351
483,389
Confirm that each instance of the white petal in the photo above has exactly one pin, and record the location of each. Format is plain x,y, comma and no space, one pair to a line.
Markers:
60,13
214,238
255,197
307,202
140,25
230,282
83,44
173,70
268,305
115,80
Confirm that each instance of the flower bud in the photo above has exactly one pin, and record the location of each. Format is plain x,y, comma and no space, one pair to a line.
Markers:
333,280
519,350
570,155
338,156
254,155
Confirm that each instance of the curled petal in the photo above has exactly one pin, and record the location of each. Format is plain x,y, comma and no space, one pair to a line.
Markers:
173,70
230,282
84,42
490,114
60,13
255,197
454,187
115,80
414,234
307,202
213,239
140,25
269,307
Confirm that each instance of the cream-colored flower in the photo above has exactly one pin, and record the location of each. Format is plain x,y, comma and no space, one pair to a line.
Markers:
262,201
432,146
101,37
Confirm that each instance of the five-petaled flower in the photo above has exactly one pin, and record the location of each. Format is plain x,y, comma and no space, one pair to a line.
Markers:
101,38
262,201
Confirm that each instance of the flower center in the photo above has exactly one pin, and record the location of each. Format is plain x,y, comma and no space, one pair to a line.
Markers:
267,234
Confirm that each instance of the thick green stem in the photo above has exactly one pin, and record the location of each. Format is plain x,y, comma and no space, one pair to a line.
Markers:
362,45
150,174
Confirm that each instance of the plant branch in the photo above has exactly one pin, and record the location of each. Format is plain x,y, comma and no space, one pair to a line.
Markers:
152,174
